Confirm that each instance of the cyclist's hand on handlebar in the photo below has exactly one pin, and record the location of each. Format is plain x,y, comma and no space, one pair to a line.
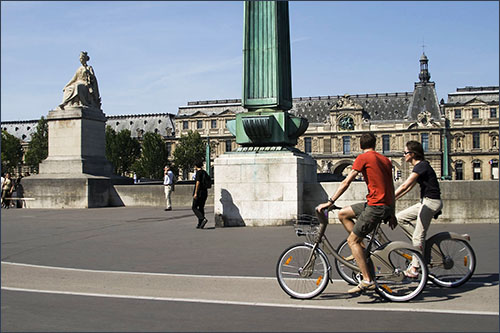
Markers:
323,206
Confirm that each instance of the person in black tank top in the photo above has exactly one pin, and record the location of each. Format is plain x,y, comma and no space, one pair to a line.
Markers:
417,218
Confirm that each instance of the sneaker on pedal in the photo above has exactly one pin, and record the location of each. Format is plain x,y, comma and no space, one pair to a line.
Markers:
411,273
349,258
361,287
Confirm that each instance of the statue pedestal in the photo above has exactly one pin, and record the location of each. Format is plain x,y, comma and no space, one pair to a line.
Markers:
76,173
261,186
77,143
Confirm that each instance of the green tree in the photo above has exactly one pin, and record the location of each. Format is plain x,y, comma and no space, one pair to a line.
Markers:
153,157
38,148
190,149
122,150
12,152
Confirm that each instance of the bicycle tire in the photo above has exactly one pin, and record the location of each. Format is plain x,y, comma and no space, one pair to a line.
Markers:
392,284
451,262
307,284
347,274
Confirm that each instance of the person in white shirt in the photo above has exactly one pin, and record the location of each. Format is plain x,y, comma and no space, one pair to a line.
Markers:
168,182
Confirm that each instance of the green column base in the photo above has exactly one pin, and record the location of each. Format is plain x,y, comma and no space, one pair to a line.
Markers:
266,127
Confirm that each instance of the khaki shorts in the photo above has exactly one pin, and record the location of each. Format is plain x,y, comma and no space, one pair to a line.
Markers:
367,217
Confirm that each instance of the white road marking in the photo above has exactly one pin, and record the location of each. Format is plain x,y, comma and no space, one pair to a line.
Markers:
299,304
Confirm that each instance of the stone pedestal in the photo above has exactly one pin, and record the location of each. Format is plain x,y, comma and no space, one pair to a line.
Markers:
261,186
77,143
76,173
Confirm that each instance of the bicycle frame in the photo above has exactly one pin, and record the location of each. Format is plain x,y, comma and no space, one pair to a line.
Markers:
379,257
382,237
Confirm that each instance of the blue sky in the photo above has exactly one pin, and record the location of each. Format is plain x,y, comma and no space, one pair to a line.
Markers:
152,57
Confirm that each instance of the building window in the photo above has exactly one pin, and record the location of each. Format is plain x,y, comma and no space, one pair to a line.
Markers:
424,139
494,169
476,170
475,113
459,171
199,124
493,113
308,145
169,148
346,144
476,143
228,145
185,125
458,113
327,145
386,143
213,123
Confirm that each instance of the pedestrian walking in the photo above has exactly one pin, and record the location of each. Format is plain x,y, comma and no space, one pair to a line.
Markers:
168,184
7,189
200,194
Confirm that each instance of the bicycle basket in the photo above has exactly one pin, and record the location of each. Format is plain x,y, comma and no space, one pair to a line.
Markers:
307,225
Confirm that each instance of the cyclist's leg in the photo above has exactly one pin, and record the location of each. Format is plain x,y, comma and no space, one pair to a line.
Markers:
406,218
428,208
358,252
366,222
348,213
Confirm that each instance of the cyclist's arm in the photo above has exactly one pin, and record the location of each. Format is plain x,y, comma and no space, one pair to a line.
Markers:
344,185
407,185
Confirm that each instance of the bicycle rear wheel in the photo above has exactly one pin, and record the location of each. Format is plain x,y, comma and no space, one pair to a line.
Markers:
299,281
347,274
451,262
391,282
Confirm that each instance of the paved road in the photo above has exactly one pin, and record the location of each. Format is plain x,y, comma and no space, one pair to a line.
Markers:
143,269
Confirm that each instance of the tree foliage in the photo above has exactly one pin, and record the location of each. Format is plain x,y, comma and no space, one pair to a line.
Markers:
153,158
122,150
38,148
190,149
12,152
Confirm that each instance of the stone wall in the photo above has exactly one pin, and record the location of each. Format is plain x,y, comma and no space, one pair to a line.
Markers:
464,201
154,196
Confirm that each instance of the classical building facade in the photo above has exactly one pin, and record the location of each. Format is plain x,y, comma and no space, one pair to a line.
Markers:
460,137
336,124
473,131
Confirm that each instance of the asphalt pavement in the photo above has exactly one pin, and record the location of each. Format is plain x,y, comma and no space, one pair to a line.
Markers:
145,269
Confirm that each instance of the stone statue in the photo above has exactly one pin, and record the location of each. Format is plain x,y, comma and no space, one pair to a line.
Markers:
82,89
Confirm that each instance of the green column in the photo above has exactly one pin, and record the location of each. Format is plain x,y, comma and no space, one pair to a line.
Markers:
267,84
266,56
445,175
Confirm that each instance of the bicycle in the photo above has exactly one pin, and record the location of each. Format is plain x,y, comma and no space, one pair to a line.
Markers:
304,270
450,259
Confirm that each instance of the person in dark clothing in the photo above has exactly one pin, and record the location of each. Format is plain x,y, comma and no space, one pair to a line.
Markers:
200,194
417,218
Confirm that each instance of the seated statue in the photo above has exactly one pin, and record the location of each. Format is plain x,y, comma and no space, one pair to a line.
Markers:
82,89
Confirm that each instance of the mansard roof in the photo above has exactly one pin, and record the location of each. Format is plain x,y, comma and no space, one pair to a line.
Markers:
424,100
462,96
137,124
379,106
161,123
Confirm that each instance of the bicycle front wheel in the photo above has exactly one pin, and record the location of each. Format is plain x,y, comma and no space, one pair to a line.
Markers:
295,278
391,282
451,262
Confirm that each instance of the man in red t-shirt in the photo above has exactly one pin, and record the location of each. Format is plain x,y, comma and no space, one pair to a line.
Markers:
379,205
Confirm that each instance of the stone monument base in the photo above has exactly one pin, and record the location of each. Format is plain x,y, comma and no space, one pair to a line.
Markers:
261,186
76,173
68,191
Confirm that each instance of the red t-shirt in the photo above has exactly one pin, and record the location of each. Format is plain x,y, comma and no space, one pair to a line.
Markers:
377,172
